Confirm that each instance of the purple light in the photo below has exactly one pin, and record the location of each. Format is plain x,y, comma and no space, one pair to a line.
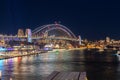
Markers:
9,49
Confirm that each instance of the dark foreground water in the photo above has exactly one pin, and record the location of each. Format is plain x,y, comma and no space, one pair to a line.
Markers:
36,67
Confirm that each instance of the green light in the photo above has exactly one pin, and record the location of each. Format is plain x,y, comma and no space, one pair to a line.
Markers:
57,52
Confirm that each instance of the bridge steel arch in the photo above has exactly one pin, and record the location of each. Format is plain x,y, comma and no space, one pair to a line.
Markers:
49,27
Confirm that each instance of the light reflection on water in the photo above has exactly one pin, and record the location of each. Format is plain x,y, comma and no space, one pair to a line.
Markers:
36,67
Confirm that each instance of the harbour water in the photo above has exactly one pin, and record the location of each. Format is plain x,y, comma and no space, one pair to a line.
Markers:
37,67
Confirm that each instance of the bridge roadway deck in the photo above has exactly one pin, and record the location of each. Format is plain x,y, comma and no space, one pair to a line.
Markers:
66,76
59,38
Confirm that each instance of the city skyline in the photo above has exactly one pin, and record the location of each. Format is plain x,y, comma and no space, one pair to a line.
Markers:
59,40
90,19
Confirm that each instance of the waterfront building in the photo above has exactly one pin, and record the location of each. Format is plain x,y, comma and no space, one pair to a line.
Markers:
108,39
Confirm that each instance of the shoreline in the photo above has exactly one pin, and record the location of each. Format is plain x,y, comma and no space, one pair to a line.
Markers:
19,55
35,53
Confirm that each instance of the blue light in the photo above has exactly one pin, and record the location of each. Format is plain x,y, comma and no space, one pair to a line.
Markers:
3,49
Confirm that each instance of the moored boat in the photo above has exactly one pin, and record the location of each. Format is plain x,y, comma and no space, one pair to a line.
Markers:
118,55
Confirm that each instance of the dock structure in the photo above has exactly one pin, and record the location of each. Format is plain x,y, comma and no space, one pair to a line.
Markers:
66,76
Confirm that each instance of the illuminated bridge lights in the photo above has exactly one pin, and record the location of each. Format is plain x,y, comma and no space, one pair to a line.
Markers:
45,30
47,33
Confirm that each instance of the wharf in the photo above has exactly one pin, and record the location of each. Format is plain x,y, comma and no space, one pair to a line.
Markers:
66,76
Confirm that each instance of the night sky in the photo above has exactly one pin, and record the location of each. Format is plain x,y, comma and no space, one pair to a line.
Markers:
90,19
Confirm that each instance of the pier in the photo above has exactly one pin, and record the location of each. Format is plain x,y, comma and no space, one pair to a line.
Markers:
66,76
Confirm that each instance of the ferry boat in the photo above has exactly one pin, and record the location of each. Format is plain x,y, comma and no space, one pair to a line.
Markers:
48,47
118,55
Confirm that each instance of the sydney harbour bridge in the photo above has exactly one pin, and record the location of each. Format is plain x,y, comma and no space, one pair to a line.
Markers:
47,34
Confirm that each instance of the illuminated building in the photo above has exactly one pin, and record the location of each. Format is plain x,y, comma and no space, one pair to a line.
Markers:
20,33
107,39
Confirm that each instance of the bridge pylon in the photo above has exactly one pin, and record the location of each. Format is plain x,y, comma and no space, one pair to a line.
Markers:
79,39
